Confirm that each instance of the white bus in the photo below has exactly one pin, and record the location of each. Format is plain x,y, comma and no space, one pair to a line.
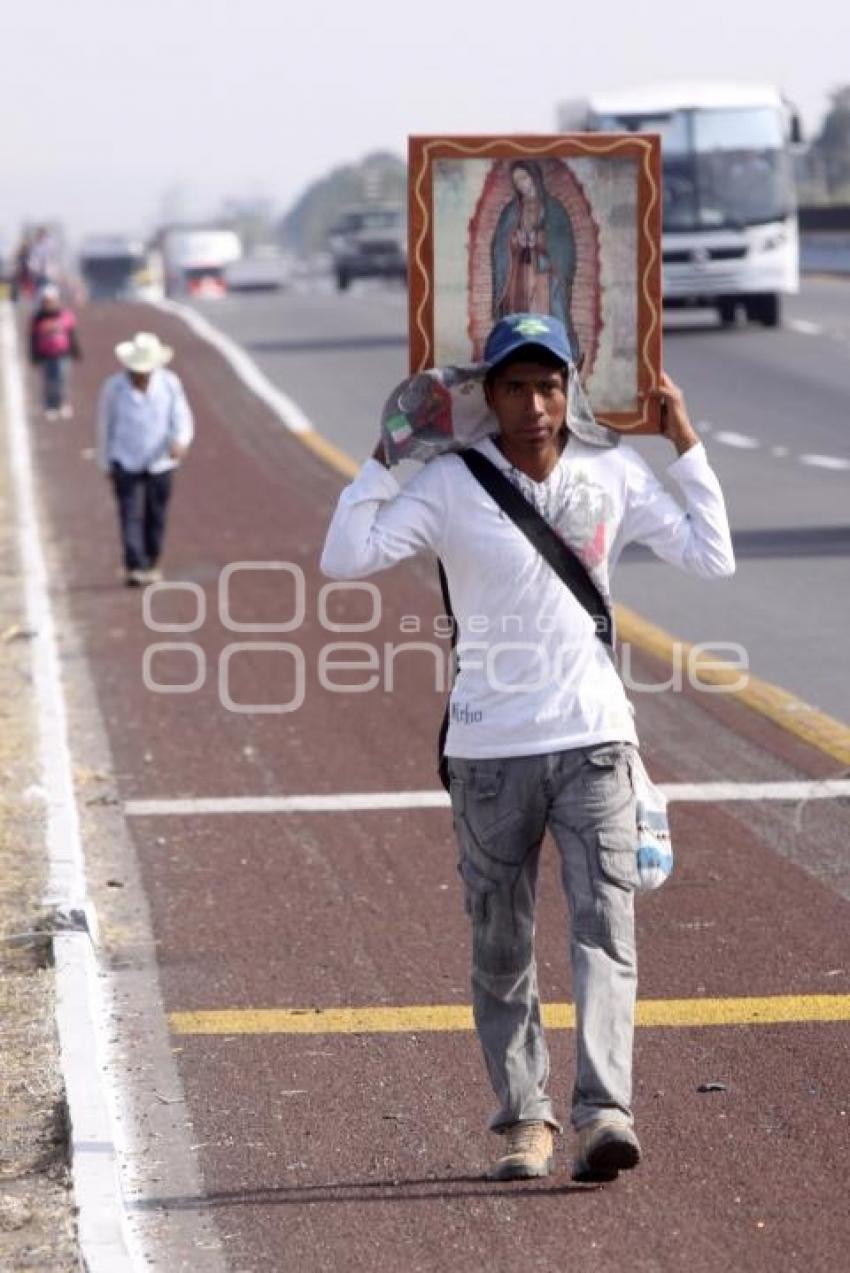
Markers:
730,236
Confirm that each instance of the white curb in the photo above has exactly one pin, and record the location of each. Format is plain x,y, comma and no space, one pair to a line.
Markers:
106,1244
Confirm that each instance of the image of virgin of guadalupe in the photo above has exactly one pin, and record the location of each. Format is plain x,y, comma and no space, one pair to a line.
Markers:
533,252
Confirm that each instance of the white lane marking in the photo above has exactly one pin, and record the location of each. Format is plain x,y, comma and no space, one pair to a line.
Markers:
345,803
800,789
805,327
106,1242
703,792
285,408
742,441
825,462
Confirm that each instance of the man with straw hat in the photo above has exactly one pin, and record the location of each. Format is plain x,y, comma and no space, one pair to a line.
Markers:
144,429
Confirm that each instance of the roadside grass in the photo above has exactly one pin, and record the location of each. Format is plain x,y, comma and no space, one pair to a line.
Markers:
37,1223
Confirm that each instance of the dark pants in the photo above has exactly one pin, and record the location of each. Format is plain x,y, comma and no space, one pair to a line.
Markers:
142,505
54,373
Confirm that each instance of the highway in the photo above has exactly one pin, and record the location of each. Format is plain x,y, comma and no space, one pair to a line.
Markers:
773,410
282,945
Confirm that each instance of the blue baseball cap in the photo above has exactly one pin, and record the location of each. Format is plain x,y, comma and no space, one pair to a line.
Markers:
520,331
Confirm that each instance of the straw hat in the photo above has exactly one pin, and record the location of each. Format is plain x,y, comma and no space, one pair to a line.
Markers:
144,353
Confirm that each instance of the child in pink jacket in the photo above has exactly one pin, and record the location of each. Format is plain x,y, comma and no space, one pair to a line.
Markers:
53,343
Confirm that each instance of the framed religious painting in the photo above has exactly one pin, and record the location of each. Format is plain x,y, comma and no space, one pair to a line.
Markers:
567,225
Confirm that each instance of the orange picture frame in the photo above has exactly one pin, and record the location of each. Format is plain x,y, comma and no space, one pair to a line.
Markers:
567,224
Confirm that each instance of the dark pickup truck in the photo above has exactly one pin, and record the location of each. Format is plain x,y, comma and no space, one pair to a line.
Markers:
367,242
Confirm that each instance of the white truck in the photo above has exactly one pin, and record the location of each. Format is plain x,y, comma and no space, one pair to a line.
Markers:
196,259
730,238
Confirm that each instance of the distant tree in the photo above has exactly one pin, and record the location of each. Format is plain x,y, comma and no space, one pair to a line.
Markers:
251,218
833,142
173,204
379,178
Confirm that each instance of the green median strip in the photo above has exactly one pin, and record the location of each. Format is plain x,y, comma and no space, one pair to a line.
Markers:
443,1018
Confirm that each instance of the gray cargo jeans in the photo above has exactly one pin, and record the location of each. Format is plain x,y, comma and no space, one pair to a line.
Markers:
502,808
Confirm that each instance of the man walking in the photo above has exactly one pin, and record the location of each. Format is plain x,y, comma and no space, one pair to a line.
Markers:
144,429
541,734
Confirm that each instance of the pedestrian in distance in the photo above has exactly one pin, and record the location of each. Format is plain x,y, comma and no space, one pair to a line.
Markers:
22,284
43,258
144,430
540,731
53,343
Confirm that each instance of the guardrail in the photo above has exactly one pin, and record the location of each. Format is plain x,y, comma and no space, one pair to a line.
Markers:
825,252
824,238
819,217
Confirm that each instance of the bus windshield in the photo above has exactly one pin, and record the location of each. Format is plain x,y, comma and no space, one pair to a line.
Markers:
723,168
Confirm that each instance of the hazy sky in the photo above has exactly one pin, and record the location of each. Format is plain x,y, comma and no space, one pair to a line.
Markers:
115,112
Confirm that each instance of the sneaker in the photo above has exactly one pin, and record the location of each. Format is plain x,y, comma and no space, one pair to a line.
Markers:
605,1147
529,1152
51,413
153,574
66,411
134,578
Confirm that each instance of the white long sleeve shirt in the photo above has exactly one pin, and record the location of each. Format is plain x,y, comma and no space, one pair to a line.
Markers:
533,677
136,429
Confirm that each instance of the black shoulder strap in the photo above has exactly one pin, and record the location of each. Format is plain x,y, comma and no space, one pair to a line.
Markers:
567,566
442,763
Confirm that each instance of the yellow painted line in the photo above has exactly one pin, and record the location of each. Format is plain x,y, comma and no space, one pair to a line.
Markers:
331,454
799,718
772,1010
442,1018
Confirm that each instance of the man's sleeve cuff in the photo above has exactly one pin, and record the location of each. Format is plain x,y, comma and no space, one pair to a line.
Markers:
693,463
